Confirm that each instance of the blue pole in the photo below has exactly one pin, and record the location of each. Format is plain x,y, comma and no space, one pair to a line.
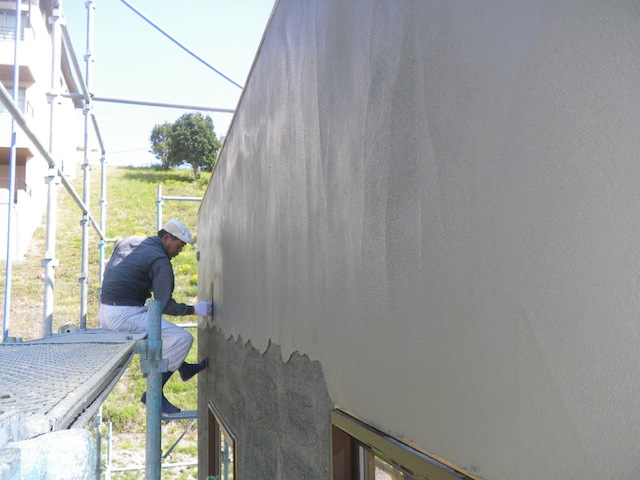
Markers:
154,367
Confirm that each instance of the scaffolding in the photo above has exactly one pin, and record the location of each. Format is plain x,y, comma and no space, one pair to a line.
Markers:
109,355
62,41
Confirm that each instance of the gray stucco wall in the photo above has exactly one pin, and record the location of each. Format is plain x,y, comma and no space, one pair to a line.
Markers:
440,200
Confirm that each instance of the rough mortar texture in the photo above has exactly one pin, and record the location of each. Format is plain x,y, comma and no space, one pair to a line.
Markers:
278,411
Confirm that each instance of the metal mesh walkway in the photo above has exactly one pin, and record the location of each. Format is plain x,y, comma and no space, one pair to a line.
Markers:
54,383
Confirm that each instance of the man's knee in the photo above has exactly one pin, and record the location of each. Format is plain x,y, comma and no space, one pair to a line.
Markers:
187,339
179,338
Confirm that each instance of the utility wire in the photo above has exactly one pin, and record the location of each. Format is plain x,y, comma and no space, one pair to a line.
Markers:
178,43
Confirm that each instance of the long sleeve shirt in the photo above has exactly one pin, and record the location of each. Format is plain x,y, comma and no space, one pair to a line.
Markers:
138,267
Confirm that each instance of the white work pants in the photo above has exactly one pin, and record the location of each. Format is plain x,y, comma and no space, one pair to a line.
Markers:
176,341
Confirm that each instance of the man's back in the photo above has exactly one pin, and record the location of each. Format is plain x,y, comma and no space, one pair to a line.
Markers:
128,276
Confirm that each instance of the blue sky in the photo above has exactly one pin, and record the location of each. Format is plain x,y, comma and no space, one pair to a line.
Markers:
133,60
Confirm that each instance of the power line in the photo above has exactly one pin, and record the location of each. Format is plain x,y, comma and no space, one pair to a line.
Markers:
137,12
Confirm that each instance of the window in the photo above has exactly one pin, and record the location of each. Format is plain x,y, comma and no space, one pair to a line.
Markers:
222,448
23,105
362,452
8,24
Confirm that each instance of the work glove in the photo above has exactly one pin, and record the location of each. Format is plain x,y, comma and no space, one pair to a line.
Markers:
203,309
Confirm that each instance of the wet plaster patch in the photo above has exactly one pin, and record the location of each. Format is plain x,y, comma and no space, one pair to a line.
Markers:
278,411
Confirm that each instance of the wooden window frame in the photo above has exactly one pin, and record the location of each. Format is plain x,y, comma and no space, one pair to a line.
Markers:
351,435
217,427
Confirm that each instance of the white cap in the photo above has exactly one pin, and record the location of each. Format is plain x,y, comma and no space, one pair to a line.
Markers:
178,230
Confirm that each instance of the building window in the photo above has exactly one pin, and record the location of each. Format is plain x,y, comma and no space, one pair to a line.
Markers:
24,106
222,448
8,24
362,452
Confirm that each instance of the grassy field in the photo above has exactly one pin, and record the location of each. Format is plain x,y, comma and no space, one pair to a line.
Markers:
131,210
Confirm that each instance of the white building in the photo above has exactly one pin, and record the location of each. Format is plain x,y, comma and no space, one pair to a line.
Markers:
36,88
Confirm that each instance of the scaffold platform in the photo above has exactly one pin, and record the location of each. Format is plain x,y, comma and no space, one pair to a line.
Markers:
59,382
183,415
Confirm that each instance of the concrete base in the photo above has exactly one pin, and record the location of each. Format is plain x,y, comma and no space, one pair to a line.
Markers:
9,464
279,412
60,455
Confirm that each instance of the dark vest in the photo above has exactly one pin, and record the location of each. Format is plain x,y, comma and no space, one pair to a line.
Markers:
127,280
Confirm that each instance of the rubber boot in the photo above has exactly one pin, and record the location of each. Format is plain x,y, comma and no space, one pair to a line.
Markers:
167,406
189,370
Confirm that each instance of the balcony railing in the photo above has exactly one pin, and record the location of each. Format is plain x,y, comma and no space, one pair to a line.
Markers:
5,117
9,34
20,184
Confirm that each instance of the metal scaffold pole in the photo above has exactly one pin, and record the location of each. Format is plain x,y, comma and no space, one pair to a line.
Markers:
12,184
153,365
86,167
50,262
159,204
103,218
90,119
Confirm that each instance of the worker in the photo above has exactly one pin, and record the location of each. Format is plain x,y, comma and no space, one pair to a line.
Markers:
138,267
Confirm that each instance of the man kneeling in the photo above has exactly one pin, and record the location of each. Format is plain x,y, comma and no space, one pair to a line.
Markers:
138,267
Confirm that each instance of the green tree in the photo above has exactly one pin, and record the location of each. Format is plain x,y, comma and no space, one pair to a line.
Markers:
160,139
194,142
